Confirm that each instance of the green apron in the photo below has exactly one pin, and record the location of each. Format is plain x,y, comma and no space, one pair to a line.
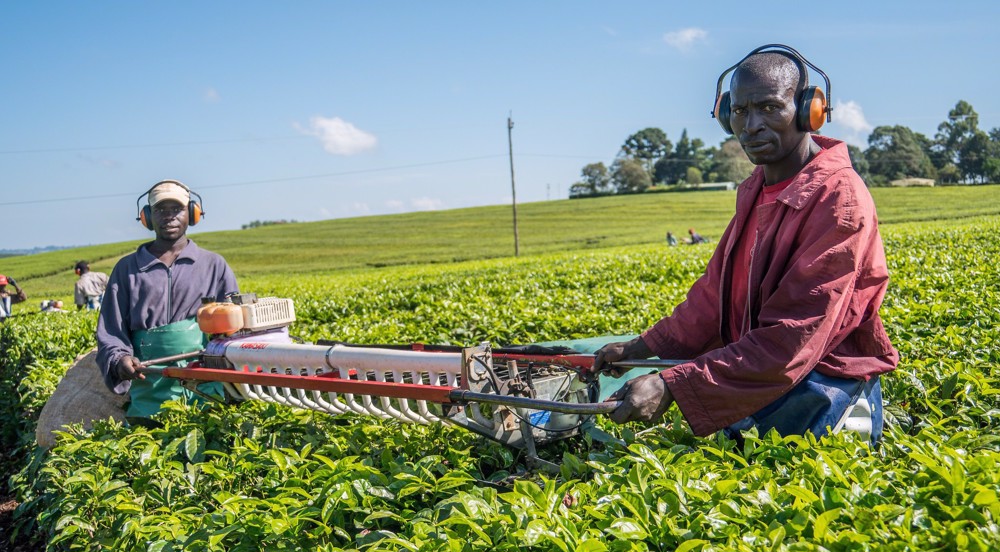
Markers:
590,345
173,339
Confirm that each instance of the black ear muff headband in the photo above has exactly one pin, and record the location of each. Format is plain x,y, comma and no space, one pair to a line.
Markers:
810,109
145,212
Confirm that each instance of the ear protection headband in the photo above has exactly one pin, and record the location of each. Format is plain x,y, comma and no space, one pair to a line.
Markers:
145,212
810,109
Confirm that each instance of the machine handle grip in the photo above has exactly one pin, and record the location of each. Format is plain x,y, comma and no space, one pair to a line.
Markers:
648,363
145,365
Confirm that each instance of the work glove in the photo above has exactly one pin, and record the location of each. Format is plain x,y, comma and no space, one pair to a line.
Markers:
12,281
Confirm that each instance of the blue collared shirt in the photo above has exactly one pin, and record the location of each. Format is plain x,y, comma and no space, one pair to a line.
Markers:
144,293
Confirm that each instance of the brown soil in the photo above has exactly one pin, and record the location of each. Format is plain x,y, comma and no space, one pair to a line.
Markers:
7,505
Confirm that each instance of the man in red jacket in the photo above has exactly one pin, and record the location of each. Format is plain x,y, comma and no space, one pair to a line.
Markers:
783,328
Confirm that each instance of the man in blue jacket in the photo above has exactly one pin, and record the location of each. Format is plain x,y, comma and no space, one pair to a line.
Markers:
153,295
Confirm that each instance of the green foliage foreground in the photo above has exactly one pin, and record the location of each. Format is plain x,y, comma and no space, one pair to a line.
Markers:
261,477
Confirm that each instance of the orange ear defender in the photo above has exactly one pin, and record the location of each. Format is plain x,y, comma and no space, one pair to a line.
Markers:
810,109
145,212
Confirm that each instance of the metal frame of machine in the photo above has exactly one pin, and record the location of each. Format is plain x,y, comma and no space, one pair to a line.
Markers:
518,398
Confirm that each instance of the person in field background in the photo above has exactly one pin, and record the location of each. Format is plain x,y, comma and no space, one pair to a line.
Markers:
152,298
89,288
8,299
695,238
782,329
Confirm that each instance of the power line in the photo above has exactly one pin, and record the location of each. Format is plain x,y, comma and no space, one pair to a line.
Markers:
156,145
265,181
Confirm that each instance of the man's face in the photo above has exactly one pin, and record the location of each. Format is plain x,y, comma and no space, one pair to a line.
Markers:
763,116
170,219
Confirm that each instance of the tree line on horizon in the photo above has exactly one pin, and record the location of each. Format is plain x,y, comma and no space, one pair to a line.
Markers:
260,223
959,153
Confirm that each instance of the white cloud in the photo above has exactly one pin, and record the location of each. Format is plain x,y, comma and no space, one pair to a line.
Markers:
211,95
414,204
338,136
684,39
360,208
851,117
426,204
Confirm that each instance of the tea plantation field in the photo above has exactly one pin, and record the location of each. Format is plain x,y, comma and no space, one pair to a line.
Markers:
261,477
445,237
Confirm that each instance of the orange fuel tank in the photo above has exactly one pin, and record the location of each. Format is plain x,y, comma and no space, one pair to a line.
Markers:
220,318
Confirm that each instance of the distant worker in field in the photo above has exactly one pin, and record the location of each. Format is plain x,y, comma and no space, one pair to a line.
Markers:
695,238
51,305
152,298
89,288
671,239
783,327
8,299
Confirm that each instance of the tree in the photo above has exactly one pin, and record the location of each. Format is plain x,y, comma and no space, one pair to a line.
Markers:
580,189
693,176
972,157
259,223
673,167
992,163
961,126
596,176
897,152
730,163
596,180
646,146
979,158
859,161
630,176
949,174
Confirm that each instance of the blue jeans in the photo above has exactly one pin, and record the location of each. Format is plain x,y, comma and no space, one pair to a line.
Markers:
816,403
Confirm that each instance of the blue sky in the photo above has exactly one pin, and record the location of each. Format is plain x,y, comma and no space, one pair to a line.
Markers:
312,110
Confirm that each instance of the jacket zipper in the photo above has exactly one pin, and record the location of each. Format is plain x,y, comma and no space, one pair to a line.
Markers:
745,326
170,292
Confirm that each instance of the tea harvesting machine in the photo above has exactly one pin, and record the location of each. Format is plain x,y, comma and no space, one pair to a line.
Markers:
519,396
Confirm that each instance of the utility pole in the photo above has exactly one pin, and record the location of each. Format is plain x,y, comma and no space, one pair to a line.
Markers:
513,190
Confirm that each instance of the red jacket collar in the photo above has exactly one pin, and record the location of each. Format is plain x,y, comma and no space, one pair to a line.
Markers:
833,157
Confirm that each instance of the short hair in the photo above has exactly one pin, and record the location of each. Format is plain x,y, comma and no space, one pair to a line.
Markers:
82,265
774,63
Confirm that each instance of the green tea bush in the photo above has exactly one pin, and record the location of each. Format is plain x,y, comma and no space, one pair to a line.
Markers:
36,352
263,477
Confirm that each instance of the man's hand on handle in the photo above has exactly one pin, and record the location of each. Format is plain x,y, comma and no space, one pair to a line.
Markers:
621,350
644,399
128,367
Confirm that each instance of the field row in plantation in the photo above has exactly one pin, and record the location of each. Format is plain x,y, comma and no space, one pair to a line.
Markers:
479,233
262,477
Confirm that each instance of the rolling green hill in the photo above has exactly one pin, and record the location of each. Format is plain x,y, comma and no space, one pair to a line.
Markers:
372,242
